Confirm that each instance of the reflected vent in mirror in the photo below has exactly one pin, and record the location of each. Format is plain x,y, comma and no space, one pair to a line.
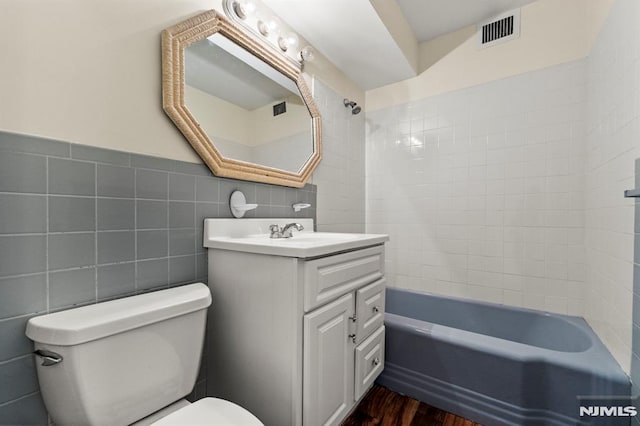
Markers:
499,29
280,108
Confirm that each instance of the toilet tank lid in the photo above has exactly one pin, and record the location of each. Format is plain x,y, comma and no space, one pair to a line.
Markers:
80,325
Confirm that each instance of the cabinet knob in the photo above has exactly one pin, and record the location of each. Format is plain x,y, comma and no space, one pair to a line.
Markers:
376,361
354,318
352,337
376,309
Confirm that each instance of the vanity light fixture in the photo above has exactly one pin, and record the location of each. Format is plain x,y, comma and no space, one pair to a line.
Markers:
260,22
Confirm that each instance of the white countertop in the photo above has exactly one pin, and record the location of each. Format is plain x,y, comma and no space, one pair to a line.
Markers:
227,234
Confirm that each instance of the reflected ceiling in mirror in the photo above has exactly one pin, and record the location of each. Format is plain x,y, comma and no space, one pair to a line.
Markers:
251,111
245,109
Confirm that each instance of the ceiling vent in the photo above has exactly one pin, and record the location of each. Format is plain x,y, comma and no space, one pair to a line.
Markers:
500,29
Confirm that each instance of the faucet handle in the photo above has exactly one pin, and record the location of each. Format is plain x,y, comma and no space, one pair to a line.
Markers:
275,231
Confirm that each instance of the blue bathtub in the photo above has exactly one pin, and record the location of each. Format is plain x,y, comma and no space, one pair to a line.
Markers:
495,364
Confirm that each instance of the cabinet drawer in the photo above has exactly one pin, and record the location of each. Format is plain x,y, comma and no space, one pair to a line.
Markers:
369,362
370,308
330,277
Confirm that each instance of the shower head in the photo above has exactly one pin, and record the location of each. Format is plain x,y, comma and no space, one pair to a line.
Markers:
355,109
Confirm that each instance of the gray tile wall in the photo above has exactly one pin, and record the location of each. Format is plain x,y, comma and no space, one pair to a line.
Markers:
80,224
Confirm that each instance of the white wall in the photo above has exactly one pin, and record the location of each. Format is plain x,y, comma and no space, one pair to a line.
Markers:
288,153
219,118
552,32
266,128
89,72
613,144
232,149
481,190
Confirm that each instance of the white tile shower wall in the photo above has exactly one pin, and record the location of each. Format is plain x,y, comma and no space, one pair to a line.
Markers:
340,174
613,143
481,190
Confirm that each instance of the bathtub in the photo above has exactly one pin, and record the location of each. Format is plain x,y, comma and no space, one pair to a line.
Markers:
495,364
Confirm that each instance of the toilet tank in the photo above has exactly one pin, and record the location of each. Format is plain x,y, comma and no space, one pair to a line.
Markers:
123,359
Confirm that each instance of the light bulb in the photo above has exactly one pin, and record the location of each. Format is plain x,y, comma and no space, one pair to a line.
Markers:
239,9
283,43
243,8
266,26
306,54
250,7
292,39
263,27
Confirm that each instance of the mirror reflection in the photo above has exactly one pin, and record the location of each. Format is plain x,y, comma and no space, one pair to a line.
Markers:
249,110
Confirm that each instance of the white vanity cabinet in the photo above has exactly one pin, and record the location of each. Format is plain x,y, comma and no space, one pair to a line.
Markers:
342,355
297,341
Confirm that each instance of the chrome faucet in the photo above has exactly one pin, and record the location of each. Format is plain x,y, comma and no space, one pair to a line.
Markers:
286,231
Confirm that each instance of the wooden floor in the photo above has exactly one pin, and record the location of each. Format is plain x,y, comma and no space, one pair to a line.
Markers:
384,407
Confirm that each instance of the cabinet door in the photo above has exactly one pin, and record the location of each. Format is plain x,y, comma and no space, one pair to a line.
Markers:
328,363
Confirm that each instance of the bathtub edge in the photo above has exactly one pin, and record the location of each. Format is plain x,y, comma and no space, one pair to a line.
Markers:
462,401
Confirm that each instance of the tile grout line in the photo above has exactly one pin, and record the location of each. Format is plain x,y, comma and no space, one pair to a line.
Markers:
135,224
195,227
16,358
29,395
168,225
48,290
95,238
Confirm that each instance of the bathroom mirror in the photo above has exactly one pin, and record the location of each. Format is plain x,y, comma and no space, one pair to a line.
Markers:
244,108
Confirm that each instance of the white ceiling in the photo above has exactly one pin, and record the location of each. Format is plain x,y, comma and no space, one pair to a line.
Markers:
433,18
352,35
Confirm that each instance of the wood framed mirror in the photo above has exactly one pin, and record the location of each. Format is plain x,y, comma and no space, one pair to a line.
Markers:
244,108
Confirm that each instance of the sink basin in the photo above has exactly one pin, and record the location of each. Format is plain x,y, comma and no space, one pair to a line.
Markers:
252,235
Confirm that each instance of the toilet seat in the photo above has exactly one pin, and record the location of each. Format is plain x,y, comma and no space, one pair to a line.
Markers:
210,411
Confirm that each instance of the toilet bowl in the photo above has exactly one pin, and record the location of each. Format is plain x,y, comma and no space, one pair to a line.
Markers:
129,361
208,411
205,411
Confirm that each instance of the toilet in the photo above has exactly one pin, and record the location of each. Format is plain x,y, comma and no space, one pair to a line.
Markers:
129,361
